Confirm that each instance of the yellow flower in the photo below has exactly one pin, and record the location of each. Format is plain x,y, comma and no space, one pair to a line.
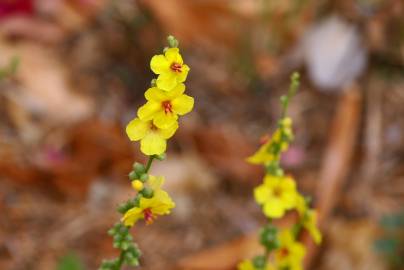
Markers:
281,138
152,139
171,69
310,223
309,219
277,194
155,182
248,265
164,107
262,156
290,253
149,208
301,205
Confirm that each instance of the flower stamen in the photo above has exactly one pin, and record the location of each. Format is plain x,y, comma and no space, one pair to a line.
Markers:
168,108
149,217
176,67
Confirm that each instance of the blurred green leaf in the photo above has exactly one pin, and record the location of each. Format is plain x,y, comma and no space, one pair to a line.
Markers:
10,69
70,262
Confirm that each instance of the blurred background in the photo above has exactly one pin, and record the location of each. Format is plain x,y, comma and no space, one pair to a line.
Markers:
73,73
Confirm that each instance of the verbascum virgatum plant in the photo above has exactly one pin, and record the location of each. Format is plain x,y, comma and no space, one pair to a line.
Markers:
156,122
278,195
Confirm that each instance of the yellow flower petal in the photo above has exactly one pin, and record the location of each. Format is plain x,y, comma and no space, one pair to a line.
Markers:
136,129
132,216
168,132
262,156
272,181
147,111
245,265
167,81
159,64
165,120
176,91
161,203
261,194
182,76
273,208
310,223
155,182
301,205
155,94
153,144
286,237
183,104
298,250
173,56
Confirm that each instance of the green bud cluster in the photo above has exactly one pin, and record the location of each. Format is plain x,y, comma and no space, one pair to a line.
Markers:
273,168
147,192
125,206
259,262
268,237
138,172
130,253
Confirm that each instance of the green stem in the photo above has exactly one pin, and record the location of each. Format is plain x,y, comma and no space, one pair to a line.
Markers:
122,255
294,85
121,258
149,163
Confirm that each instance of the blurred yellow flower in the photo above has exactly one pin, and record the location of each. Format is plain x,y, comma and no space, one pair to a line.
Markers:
279,142
290,253
155,182
277,194
164,107
308,218
248,265
170,67
149,208
310,223
152,139
262,156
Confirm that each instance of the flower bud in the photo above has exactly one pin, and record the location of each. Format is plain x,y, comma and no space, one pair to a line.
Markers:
137,185
286,122
172,41
259,262
144,177
268,237
147,192
133,175
161,157
138,168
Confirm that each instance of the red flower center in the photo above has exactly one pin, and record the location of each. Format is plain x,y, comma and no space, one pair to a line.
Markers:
176,67
149,217
168,108
277,191
284,252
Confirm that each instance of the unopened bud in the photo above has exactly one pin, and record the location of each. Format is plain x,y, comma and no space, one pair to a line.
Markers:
137,185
